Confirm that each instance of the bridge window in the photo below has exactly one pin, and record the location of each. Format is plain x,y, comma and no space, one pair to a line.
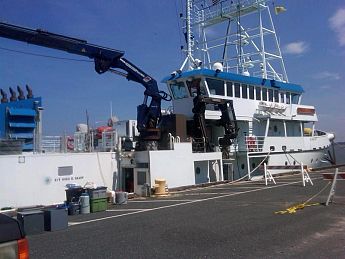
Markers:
215,86
264,94
270,95
282,97
178,90
194,86
276,96
251,92
229,90
237,90
244,92
258,93
294,98
287,98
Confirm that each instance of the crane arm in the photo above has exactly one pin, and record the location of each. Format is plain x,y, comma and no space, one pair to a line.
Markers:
56,41
105,60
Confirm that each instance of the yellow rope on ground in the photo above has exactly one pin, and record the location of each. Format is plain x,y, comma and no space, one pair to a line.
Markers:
301,206
294,208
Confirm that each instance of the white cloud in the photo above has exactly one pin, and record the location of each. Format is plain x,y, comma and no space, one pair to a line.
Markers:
297,47
327,75
337,23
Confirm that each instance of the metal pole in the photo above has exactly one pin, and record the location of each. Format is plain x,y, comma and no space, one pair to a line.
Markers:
263,54
332,191
189,32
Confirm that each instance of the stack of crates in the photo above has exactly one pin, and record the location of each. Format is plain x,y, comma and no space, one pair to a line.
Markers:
98,199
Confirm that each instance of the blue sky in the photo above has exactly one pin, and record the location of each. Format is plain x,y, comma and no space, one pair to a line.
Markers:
311,33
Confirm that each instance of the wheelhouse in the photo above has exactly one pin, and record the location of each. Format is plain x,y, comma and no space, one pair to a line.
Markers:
239,88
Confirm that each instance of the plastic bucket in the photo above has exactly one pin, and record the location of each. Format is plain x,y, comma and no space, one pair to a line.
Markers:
121,198
73,208
84,201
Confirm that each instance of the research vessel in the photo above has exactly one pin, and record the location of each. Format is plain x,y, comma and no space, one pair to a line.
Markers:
233,110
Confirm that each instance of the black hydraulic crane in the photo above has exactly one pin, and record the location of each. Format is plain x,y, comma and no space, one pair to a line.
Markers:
105,59
227,120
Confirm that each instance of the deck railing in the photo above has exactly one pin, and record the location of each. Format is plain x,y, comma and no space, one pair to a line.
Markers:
254,143
79,142
52,144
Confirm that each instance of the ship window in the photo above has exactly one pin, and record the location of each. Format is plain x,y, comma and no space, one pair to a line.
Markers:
237,90
270,95
258,93
215,86
282,98
244,92
229,89
276,96
178,90
251,92
294,98
264,94
194,85
287,98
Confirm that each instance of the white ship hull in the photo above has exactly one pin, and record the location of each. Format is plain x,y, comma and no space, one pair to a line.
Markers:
40,179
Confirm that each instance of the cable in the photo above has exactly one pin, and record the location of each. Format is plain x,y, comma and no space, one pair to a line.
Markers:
317,193
293,158
263,160
44,56
300,206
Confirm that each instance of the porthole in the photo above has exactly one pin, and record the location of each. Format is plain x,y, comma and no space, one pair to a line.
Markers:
294,162
272,148
285,162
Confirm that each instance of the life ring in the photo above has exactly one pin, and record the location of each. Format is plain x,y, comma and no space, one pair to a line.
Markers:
70,143
251,143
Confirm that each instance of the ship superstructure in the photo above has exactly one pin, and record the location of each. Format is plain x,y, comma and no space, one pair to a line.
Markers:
232,53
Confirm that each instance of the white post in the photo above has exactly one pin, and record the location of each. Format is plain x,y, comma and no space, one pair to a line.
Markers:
248,166
189,32
332,191
265,168
263,53
302,171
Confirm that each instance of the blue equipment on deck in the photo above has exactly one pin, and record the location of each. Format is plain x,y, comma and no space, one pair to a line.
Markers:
19,118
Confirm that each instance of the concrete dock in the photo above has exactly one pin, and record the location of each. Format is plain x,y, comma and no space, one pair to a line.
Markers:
222,221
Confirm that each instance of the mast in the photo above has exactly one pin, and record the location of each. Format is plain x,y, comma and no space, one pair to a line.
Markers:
251,47
189,37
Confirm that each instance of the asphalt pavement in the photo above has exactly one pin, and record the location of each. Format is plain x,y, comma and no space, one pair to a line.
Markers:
222,221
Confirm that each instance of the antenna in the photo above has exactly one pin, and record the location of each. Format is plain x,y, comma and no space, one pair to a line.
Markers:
189,36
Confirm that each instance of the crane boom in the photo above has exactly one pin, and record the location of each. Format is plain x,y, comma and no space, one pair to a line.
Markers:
105,59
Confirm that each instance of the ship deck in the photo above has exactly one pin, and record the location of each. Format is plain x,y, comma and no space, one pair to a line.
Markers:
220,221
